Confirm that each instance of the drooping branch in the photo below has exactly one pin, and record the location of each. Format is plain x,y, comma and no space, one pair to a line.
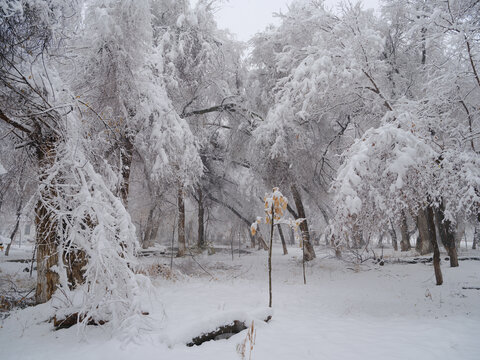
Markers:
472,63
232,209
470,122
377,91
322,162
293,212
13,123
241,217
229,107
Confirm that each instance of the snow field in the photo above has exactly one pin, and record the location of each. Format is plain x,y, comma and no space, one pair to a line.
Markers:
345,311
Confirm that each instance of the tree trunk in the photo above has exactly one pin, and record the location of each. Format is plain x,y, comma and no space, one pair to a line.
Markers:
459,233
201,220
357,237
476,235
292,236
436,251
148,229
76,260
261,242
380,239
335,245
154,231
181,224
309,253
424,244
405,243
17,223
270,258
252,240
246,221
284,244
446,235
393,235
46,230
126,156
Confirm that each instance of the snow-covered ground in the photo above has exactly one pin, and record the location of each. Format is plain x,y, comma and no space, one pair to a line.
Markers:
346,311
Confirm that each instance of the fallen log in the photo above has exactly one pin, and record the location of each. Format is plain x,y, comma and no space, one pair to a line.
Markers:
73,319
222,332
426,260
472,258
408,261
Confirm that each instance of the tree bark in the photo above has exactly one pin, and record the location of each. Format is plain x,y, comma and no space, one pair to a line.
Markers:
335,245
292,236
154,231
15,229
201,220
76,261
309,253
148,229
436,251
446,234
181,224
270,258
424,244
261,242
46,230
126,157
252,240
476,234
284,244
393,235
357,237
405,243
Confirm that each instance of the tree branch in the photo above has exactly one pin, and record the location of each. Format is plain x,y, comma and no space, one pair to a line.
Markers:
14,123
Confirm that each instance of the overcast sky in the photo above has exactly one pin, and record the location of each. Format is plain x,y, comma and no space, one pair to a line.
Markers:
244,18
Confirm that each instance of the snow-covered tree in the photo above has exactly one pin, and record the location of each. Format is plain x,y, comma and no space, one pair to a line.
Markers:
85,238
431,77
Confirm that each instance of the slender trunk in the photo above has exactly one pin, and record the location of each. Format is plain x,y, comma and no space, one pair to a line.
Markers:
261,242
393,235
424,244
246,221
232,235
446,234
148,229
173,241
476,235
292,236
405,243
126,156
424,46
252,240
335,245
15,229
270,258
181,224
284,244
201,220
380,239
357,237
154,232
303,264
309,251
436,251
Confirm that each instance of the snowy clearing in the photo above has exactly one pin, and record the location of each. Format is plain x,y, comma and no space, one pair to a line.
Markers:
345,311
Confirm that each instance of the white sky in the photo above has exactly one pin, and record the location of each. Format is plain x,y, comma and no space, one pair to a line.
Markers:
244,18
